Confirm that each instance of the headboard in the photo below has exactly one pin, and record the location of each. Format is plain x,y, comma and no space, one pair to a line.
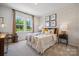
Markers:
56,30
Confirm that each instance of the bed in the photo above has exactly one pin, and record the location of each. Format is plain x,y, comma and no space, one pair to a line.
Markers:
41,41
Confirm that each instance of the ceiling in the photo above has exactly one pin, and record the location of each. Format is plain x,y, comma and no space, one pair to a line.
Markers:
39,9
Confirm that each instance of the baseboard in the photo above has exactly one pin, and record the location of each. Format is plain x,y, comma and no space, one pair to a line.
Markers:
74,44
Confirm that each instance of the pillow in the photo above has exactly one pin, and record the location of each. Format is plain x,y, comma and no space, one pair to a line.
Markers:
51,31
45,30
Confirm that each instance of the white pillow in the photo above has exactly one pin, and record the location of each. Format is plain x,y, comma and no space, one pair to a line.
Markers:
52,31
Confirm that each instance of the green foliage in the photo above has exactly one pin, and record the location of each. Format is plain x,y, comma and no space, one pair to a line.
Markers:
28,23
19,21
18,29
20,25
29,29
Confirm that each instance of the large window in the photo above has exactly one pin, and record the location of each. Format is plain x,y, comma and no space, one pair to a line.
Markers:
24,22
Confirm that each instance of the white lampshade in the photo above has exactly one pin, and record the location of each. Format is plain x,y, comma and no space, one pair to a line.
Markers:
2,25
63,27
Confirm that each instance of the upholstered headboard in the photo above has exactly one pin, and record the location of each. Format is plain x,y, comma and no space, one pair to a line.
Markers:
56,30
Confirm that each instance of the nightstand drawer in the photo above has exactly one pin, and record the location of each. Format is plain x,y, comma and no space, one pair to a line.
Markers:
63,38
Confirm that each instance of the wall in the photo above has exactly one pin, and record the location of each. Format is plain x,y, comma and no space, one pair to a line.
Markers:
36,24
68,15
7,14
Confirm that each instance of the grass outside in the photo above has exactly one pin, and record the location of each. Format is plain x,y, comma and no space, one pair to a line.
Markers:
18,30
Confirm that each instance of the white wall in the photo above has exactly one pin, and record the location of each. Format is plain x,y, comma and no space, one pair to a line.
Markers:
69,15
36,24
7,14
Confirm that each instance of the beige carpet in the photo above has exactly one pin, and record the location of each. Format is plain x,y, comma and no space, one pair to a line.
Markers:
61,50
22,49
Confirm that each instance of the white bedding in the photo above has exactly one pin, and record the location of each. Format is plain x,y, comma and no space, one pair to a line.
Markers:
40,42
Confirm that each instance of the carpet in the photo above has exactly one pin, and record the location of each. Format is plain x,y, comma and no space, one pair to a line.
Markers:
21,48
61,50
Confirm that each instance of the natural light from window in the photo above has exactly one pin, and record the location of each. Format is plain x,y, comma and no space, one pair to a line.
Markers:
24,22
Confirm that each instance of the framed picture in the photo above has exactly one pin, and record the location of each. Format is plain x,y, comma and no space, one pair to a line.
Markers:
53,23
46,18
1,20
53,17
47,24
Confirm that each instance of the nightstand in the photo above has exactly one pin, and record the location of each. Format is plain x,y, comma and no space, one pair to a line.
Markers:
63,38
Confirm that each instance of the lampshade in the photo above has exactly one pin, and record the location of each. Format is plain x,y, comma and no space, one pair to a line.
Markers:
63,27
2,25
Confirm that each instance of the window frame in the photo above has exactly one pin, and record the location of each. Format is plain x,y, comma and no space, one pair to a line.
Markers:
28,16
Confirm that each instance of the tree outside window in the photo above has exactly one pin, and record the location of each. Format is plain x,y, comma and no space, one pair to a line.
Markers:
23,24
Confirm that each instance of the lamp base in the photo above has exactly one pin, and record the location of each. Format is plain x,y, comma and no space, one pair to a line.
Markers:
63,32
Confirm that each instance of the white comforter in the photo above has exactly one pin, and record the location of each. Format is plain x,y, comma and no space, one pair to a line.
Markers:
41,42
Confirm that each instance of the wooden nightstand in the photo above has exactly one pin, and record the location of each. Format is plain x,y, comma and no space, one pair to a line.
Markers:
63,37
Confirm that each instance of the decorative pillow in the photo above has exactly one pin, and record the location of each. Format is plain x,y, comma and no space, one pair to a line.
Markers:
45,30
51,31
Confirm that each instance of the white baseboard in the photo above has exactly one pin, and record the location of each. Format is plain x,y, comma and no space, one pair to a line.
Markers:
74,44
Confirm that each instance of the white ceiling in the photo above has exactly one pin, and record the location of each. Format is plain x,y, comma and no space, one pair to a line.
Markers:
38,10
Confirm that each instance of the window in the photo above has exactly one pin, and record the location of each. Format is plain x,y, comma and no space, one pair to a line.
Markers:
29,24
24,22
19,24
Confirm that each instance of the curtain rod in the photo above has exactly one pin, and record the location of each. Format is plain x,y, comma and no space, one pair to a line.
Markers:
23,12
